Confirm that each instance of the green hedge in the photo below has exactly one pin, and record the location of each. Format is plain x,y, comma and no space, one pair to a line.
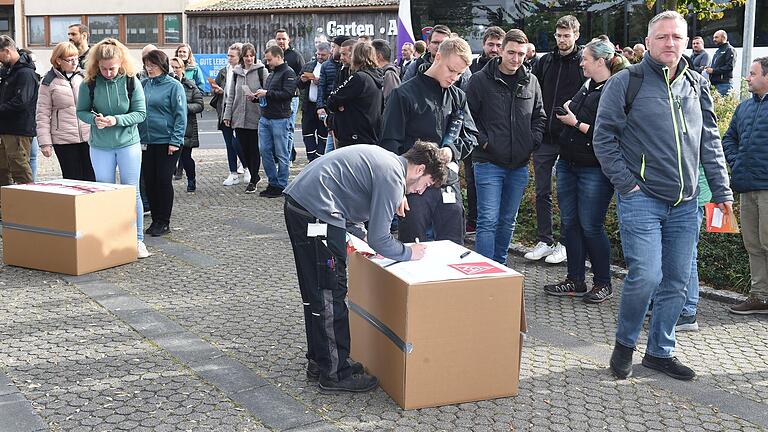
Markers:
723,262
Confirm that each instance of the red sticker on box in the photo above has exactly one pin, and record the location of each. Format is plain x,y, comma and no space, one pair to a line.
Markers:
476,268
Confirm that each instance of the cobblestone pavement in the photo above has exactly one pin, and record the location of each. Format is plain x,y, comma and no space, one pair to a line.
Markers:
207,335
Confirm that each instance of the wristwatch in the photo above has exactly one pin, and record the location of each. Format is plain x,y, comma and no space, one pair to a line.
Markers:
578,123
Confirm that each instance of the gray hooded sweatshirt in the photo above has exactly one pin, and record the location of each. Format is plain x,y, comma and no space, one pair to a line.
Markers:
659,144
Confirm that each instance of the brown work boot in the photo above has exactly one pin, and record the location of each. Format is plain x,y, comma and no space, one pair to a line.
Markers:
753,305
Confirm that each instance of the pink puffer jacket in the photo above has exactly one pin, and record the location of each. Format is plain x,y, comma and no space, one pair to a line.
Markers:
56,116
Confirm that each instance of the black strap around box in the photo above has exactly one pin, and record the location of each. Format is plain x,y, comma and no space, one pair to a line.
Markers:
405,347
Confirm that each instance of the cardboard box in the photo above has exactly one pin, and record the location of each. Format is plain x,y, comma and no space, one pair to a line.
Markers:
68,226
438,331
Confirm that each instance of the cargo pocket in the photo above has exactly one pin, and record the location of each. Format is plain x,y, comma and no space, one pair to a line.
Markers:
327,278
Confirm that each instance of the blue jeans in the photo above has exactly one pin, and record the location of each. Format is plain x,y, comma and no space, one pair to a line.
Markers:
499,192
234,150
292,127
692,297
128,161
724,88
657,239
33,150
274,145
329,143
584,193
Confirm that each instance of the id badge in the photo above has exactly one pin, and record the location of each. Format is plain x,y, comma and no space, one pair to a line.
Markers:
317,230
449,197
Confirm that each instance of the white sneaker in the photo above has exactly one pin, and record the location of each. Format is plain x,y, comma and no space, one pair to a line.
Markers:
240,168
558,255
233,179
247,176
540,251
141,248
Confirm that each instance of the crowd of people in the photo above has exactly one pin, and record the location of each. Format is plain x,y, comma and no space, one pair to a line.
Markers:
385,139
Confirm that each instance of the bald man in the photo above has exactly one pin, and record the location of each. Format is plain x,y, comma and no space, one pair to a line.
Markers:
639,50
723,62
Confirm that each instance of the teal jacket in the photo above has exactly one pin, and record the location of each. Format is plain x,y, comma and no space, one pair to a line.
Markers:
110,98
166,119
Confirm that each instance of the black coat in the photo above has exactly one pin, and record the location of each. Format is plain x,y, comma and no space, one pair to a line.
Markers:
357,106
723,62
576,146
281,85
560,78
194,107
18,98
420,109
304,86
510,121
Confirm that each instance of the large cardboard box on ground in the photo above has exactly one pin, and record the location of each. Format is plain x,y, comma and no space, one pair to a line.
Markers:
438,331
69,226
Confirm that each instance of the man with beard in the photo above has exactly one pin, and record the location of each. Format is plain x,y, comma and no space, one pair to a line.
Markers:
491,48
78,35
314,131
332,75
560,77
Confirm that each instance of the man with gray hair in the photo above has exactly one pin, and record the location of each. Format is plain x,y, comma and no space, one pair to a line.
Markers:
314,130
18,99
721,71
655,125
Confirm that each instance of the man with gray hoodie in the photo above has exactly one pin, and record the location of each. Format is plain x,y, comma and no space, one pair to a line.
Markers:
650,140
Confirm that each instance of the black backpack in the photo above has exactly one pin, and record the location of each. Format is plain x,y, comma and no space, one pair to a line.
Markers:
636,81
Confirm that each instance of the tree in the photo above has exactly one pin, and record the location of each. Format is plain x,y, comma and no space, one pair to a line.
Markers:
705,10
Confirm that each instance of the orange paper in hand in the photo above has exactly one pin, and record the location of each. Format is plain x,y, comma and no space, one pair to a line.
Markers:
717,221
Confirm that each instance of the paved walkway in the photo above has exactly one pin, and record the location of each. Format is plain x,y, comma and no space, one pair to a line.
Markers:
207,335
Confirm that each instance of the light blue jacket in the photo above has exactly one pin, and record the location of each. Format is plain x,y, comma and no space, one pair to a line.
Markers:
166,111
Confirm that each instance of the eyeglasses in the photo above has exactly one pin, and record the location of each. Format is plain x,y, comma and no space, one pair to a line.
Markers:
72,60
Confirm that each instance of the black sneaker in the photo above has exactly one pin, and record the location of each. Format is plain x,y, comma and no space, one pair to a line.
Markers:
621,361
161,229
669,366
178,174
274,193
265,191
191,185
357,383
313,369
251,188
151,229
599,294
566,288
687,323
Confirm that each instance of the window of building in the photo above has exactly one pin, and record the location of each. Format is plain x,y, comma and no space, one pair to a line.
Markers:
172,28
36,30
102,27
59,26
141,29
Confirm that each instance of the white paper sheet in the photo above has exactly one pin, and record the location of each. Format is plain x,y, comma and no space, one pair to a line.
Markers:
442,261
717,218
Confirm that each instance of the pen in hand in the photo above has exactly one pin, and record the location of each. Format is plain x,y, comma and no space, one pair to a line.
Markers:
464,255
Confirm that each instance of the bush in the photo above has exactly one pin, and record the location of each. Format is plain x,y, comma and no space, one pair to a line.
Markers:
723,263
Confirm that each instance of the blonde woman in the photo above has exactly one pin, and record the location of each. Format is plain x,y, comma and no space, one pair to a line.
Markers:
111,101
58,128
191,70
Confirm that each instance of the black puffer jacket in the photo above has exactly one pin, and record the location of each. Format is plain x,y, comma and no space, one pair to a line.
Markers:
18,97
575,146
510,121
357,106
560,77
281,85
194,107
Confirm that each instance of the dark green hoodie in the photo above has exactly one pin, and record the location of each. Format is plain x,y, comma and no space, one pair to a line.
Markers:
110,98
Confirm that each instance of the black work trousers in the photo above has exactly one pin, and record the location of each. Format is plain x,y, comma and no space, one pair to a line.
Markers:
75,161
322,274
314,131
187,162
249,141
158,167
544,159
429,211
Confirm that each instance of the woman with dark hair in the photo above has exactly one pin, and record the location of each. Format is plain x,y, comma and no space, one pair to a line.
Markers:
194,107
162,133
358,103
583,191
58,127
242,111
